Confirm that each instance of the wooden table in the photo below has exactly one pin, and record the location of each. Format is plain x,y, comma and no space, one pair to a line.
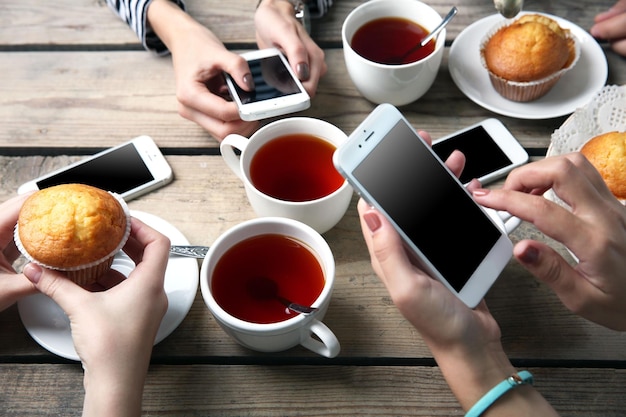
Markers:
75,80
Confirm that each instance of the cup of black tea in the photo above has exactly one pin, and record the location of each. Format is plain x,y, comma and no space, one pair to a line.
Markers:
287,170
379,43
255,269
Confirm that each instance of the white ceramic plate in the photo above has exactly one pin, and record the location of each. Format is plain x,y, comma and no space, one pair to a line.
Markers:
573,90
605,113
46,322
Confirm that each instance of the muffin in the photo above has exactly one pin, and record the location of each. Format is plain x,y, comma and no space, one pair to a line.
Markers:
527,57
73,228
607,153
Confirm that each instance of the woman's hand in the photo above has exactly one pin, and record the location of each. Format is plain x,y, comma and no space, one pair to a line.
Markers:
199,60
465,342
13,286
114,330
594,230
611,26
277,27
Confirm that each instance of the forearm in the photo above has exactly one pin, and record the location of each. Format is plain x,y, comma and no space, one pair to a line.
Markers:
114,390
471,375
134,14
172,24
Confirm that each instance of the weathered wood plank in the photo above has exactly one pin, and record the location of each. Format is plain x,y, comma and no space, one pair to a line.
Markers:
226,390
206,199
84,99
65,22
82,80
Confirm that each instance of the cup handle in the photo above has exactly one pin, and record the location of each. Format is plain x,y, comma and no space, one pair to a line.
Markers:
327,345
227,149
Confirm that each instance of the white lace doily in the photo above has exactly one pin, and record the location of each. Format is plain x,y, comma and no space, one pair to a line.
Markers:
606,112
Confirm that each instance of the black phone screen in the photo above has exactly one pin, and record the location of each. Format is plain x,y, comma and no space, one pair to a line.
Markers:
271,79
482,154
118,171
425,201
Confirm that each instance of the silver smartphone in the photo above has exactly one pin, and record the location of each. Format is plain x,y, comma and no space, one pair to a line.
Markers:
491,151
447,233
277,89
130,169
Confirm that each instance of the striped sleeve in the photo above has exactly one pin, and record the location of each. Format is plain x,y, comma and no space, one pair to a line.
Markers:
134,13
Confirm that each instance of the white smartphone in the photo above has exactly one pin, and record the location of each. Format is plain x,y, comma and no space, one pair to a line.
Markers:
277,89
491,151
130,169
447,233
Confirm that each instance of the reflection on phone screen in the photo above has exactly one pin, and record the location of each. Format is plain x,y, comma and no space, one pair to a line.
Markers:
271,79
483,156
118,171
427,204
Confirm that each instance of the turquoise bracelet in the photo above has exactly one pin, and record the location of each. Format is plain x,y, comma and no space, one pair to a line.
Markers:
523,377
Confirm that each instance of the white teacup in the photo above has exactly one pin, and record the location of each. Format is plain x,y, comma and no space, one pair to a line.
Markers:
320,213
394,84
306,330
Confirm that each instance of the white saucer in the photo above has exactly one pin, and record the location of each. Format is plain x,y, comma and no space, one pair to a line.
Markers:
46,322
573,90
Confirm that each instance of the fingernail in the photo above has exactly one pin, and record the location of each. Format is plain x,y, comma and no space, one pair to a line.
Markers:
302,71
529,256
372,220
480,192
248,81
594,32
33,272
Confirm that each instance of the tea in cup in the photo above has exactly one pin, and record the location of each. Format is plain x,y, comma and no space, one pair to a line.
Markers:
255,269
287,171
377,37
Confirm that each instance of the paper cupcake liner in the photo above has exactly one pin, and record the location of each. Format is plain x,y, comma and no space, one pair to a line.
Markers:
522,92
87,273
525,91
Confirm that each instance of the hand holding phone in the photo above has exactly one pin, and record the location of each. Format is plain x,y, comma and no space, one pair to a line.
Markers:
491,151
277,90
130,169
448,235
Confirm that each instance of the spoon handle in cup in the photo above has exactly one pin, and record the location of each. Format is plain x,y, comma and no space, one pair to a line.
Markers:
189,251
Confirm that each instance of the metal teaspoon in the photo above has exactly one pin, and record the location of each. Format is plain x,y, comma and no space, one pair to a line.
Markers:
189,251
265,288
428,37
508,8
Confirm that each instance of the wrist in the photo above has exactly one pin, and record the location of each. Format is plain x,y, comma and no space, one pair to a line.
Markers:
297,9
169,22
515,380
470,374
115,387
112,394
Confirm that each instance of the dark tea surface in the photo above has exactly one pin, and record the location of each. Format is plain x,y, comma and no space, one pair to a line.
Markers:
281,260
295,167
384,40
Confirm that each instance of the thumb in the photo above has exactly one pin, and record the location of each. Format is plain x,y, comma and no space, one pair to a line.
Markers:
238,68
549,266
53,284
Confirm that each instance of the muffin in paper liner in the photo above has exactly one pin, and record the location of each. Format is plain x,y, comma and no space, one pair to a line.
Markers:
88,273
531,90
606,112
